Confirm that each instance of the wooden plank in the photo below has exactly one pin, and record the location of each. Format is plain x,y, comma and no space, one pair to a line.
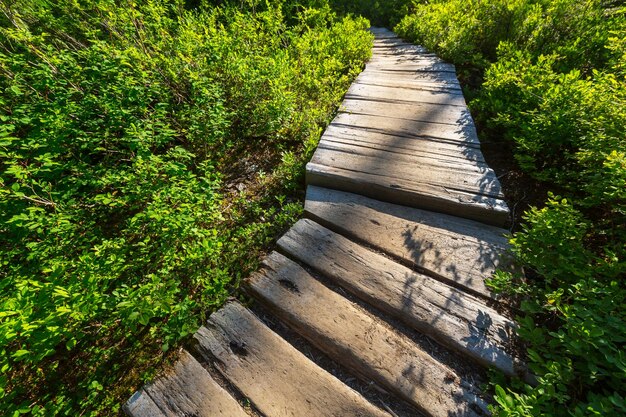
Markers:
382,33
425,66
450,316
400,50
361,342
479,181
371,78
427,111
449,83
397,56
488,210
457,251
430,159
278,380
394,58
141,405
413,145
405,95
189,390
451,166
409,128
414,76
394,41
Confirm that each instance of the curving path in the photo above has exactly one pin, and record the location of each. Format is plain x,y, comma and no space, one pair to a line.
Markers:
402,226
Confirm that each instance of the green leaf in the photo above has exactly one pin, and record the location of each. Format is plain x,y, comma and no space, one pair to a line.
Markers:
20,354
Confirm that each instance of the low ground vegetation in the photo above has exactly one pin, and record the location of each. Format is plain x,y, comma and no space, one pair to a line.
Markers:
149,152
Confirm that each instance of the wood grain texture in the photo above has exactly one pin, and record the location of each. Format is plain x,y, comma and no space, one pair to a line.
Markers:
451,115
189,390
480,181
450,316
465,135
278,380
441,78
457,251
383,80
361,342
408,96
141,405
438,162
415,146
488,210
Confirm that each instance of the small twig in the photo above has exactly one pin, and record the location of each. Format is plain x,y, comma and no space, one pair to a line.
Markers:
40,201
388,409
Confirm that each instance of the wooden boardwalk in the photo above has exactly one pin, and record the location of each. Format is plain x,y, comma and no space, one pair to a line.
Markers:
403,225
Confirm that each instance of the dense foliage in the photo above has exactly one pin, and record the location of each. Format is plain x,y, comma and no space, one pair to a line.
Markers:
146,149
552,80
384,13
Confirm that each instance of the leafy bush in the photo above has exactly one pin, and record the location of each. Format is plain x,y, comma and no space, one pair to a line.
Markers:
381,13
555,87
121,124
469,32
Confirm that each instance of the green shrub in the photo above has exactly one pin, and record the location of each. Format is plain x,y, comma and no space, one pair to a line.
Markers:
469,32
574,322
383,13
564,125
120,125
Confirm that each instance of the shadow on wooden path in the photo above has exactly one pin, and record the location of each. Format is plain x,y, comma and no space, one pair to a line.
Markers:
403,225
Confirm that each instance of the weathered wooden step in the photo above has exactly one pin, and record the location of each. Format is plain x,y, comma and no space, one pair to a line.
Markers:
406,51
450,316
272,374
141,405
394,55
453,115
414,84
409,82
414,77
452,165
465,135
361,342
413,145
424,66
382,33
480,182
458,251
394,41
189,390
438,198
388,57
382,151
407,96
418,147
384,79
